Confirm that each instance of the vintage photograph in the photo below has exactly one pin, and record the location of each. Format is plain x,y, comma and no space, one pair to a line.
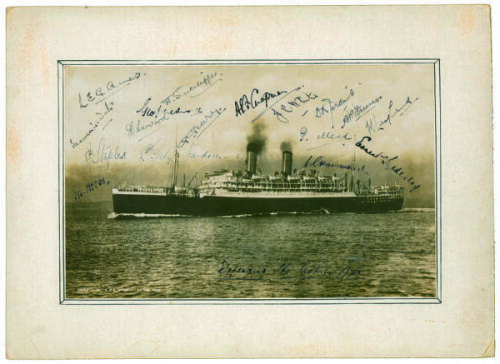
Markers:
249,180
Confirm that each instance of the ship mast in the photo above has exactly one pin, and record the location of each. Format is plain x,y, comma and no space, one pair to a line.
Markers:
176,162
353,171
176,168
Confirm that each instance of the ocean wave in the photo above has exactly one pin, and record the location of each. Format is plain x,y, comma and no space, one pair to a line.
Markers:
417,209
267,214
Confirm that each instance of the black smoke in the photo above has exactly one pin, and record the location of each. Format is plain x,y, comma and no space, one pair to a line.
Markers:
286,146
256,142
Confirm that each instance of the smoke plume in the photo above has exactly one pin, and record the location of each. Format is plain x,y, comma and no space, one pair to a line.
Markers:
257,140
286,146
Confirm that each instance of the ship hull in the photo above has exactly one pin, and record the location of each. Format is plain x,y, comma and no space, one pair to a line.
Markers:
173,204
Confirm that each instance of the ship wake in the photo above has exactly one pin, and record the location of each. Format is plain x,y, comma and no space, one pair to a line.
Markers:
283,213
131,216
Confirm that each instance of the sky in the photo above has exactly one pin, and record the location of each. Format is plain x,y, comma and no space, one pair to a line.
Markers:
136,116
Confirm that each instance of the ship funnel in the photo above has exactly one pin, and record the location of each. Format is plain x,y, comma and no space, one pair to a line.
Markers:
287,163
251,162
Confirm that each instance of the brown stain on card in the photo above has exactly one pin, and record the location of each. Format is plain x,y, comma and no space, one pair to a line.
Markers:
489,352
13,146
27,47
9,12
221,38
30,50
467,21
220,44
222,21
44,63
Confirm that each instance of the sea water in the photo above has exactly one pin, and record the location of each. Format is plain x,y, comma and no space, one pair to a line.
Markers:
272,256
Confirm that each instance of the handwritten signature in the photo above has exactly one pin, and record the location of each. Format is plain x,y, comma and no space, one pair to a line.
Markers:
270,106
147,110
208,81
196,131
330,106
78,194
205,155
320,162
373,126
356,112
153,152
246,103
95,124
104,153
101,93
237,272
291,105
385,159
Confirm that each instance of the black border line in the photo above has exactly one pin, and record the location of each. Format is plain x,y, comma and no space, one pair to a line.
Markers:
436,178
59,180
440,186
250,301
162,62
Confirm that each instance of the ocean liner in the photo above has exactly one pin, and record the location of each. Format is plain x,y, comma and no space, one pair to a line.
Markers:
226,193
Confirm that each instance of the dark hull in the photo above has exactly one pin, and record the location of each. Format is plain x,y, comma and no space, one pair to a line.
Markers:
224,206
